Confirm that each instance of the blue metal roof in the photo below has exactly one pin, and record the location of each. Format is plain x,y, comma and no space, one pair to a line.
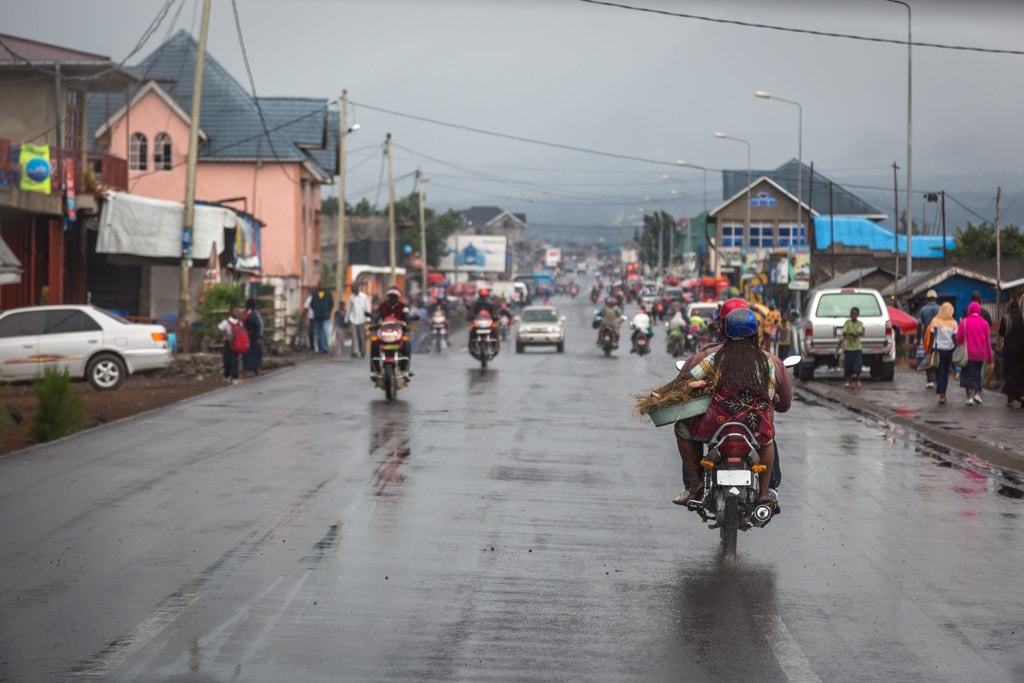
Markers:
860,232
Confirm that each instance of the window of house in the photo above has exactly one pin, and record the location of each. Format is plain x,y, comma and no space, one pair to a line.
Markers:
732,235
762,235
162,152
792,235
762,198
138,152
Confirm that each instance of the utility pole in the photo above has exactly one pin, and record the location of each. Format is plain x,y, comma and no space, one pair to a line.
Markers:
896,228
423,231
999,276
391,213
340,276
943,227
185,294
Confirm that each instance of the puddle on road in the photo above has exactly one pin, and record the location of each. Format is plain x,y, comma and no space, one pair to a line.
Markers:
1008,483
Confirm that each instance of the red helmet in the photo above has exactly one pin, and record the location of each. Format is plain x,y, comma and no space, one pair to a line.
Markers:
728,306
484,293
393,291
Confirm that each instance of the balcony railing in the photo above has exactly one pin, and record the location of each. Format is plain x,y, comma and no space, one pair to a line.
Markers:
102,170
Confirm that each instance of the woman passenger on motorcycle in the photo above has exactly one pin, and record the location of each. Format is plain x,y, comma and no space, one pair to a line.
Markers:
752,385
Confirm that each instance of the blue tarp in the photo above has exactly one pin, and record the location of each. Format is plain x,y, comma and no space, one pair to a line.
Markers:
860,232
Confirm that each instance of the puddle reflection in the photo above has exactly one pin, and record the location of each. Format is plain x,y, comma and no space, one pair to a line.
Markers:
481,381
389,443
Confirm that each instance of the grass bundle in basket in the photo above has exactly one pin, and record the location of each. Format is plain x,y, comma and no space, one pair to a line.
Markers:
680,393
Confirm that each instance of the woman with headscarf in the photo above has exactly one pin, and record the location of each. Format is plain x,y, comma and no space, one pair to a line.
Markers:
941,337
1011,329
974,333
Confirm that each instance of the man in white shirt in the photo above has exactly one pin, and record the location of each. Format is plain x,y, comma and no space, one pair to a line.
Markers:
356,317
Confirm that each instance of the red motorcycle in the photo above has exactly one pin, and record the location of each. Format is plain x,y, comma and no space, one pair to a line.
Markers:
483,342
389,337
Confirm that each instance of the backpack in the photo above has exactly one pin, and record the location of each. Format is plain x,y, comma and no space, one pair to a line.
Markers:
239,337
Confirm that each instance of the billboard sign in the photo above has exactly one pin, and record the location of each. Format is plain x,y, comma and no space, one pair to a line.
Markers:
475,253
552,257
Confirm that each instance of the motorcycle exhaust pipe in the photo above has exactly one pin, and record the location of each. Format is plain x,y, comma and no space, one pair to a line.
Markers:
762,515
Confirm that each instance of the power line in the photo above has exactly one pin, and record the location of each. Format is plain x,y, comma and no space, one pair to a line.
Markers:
520,138
255,97
788,29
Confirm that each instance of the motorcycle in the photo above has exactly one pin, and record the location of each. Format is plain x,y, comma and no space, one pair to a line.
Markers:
573,291
439,330
389,336
731,502
483,343
677,342
595,294
503,327
607,340
642,344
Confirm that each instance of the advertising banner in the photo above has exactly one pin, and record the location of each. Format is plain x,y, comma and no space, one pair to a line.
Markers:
475,253
552,257
35,167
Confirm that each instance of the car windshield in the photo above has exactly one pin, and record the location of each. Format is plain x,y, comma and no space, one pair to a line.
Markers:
540,316
838,305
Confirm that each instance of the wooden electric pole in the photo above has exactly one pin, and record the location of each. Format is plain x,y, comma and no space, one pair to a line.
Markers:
895,229
185,297
342,130
391,213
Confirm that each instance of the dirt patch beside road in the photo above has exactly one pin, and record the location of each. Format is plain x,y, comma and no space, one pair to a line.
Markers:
189,376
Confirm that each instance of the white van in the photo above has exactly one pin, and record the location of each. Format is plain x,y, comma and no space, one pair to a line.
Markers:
821,327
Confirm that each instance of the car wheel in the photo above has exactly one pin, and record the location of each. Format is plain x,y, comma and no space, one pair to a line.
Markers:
105,372
560,347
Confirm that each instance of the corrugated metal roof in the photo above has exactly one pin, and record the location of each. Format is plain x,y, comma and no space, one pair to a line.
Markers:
854,231
844,202
230,116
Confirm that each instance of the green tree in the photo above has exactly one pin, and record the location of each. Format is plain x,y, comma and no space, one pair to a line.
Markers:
438,227
329,206
979,242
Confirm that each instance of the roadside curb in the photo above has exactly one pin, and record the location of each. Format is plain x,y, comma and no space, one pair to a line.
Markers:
991,453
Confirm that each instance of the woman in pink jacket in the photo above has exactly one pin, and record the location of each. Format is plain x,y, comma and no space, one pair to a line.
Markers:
975,333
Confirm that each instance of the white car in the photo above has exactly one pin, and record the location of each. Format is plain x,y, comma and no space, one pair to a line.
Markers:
540,326
87,341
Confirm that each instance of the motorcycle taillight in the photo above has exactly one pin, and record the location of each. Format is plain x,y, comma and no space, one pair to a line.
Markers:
734,446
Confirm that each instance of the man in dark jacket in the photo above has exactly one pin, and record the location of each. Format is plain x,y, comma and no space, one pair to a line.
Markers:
321,303
924,317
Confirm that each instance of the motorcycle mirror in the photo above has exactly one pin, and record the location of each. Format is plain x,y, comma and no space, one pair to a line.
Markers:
791,361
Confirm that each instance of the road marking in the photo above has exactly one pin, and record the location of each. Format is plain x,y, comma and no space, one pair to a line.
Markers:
787,653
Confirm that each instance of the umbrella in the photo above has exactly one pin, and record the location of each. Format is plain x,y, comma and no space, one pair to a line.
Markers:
906,322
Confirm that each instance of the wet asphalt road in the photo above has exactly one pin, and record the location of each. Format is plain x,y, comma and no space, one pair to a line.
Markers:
507,525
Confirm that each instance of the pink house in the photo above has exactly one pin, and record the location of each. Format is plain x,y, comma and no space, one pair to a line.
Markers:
268,158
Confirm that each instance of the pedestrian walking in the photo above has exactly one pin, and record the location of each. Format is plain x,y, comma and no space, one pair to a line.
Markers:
924,320
340,328
941,337
987,317
230,327
310,329
1011,332
853,331
252,360
321,305
975,334
357,315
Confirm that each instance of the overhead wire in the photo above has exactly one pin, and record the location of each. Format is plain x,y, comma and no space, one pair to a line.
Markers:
790,29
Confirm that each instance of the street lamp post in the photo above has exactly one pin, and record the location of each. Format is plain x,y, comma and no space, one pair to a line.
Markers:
342,134
799,149
723,136
910,145
423,232
705,170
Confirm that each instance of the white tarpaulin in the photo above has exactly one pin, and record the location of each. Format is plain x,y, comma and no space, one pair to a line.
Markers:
130,224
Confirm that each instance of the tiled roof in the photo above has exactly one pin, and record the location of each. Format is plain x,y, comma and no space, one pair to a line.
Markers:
230,116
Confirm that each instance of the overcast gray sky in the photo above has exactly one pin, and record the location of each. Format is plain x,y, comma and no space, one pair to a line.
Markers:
619,81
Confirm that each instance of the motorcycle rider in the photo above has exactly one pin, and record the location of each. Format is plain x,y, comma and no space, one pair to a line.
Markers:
482,303
611,318
641,324
440,304
391,307
747,376
727,307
